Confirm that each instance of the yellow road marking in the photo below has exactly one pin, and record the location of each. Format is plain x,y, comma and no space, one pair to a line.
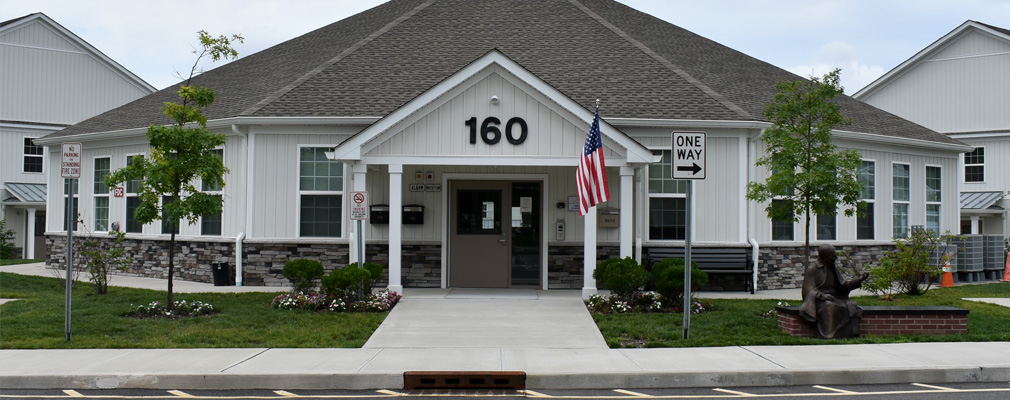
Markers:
285,393
935,387
390,392
179,393
834,390
744,394
73,393
630,393
530,393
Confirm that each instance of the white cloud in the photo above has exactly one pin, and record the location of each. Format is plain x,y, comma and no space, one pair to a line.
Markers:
837,54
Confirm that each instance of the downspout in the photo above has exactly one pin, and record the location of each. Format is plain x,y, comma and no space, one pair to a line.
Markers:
239,270
755,249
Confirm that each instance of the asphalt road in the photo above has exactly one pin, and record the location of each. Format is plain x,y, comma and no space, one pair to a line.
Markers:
959,391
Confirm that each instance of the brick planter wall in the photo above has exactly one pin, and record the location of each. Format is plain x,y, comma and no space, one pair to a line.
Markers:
883,321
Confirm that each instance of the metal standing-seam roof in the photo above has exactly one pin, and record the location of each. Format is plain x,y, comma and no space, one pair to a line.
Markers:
979,200
372,63
27,192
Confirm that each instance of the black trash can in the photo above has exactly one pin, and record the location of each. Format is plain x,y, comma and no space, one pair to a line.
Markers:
222,274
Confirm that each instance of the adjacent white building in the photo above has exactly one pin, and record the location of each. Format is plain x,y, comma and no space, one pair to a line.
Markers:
467,139
960,86
49,79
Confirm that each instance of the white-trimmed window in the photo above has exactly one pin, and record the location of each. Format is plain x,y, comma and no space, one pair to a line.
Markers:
320,193
667,201
867,176
826,227
974,165
934,185
32,156
101,193
76,202
900,187
133,200
167,226
783,229
210,224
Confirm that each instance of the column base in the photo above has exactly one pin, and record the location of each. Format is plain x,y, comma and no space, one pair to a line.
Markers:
588,291
396,288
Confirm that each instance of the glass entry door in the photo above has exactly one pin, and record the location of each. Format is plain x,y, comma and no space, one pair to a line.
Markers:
495,234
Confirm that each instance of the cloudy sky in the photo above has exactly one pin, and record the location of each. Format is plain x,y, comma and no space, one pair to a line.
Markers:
865,38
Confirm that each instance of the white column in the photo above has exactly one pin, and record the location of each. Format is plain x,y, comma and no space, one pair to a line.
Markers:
639,212
974,225
30,243
589,251
360,170
395,226
627,211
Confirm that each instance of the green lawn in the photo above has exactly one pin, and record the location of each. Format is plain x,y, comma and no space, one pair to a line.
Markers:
243,320
740,322
21,261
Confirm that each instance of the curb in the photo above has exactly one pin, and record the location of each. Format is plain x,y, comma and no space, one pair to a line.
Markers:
570,380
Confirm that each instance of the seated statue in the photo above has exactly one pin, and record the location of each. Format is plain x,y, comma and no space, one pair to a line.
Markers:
826,302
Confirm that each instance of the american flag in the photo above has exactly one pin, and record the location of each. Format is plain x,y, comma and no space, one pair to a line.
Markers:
591,178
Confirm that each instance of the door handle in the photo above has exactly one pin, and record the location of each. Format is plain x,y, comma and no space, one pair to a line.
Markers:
502,241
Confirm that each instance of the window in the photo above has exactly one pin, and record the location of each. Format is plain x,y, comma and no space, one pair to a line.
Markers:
33,156
74,212
826,227
101,194
667,201
210,224
321,185
864,219
974,165
133,201
900,189
933,198
782,229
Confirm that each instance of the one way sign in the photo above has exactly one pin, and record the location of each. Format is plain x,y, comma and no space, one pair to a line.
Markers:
689,155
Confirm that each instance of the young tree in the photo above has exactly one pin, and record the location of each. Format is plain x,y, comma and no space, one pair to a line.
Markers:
181,152
808,172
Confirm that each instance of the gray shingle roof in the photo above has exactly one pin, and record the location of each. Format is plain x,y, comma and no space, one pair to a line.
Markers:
372,63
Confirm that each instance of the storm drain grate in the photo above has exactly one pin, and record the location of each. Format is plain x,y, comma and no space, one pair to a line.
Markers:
448,380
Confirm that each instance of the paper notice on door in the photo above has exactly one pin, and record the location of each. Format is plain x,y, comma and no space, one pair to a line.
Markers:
526,204
517,218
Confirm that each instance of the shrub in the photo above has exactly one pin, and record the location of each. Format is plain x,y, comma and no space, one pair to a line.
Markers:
7,246
623,276
303,274
669,277
352,280
908,269
102,258
314,301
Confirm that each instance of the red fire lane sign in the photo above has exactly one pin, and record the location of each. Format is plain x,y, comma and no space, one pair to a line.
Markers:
70,164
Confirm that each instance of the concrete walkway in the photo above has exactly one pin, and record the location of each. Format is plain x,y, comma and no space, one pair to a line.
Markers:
547,334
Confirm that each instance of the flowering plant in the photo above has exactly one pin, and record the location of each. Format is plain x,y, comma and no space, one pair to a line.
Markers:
180,309
314,301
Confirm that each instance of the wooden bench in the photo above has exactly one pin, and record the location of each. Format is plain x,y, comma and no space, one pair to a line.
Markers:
712,260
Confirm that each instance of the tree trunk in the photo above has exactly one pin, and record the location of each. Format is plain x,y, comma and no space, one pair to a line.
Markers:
171,268
806,239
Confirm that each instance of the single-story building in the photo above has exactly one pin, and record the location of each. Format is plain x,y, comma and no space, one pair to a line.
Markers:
464,121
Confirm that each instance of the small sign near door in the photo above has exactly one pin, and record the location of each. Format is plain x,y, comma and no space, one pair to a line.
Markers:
359,206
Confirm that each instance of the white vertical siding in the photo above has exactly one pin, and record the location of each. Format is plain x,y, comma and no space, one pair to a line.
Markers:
964,87
47,79
12,162
443,132
997,165
717,197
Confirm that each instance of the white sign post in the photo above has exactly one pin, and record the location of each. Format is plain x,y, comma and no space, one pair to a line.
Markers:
70,169
689,164
359,212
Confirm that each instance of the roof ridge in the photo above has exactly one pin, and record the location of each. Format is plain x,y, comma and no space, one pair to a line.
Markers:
322,67
666,63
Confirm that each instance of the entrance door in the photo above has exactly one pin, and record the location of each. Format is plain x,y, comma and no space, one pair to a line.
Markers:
494,234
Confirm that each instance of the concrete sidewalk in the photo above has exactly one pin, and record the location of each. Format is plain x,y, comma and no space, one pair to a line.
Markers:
547,334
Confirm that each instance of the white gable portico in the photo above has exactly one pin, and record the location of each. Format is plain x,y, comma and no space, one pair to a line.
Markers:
496,137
